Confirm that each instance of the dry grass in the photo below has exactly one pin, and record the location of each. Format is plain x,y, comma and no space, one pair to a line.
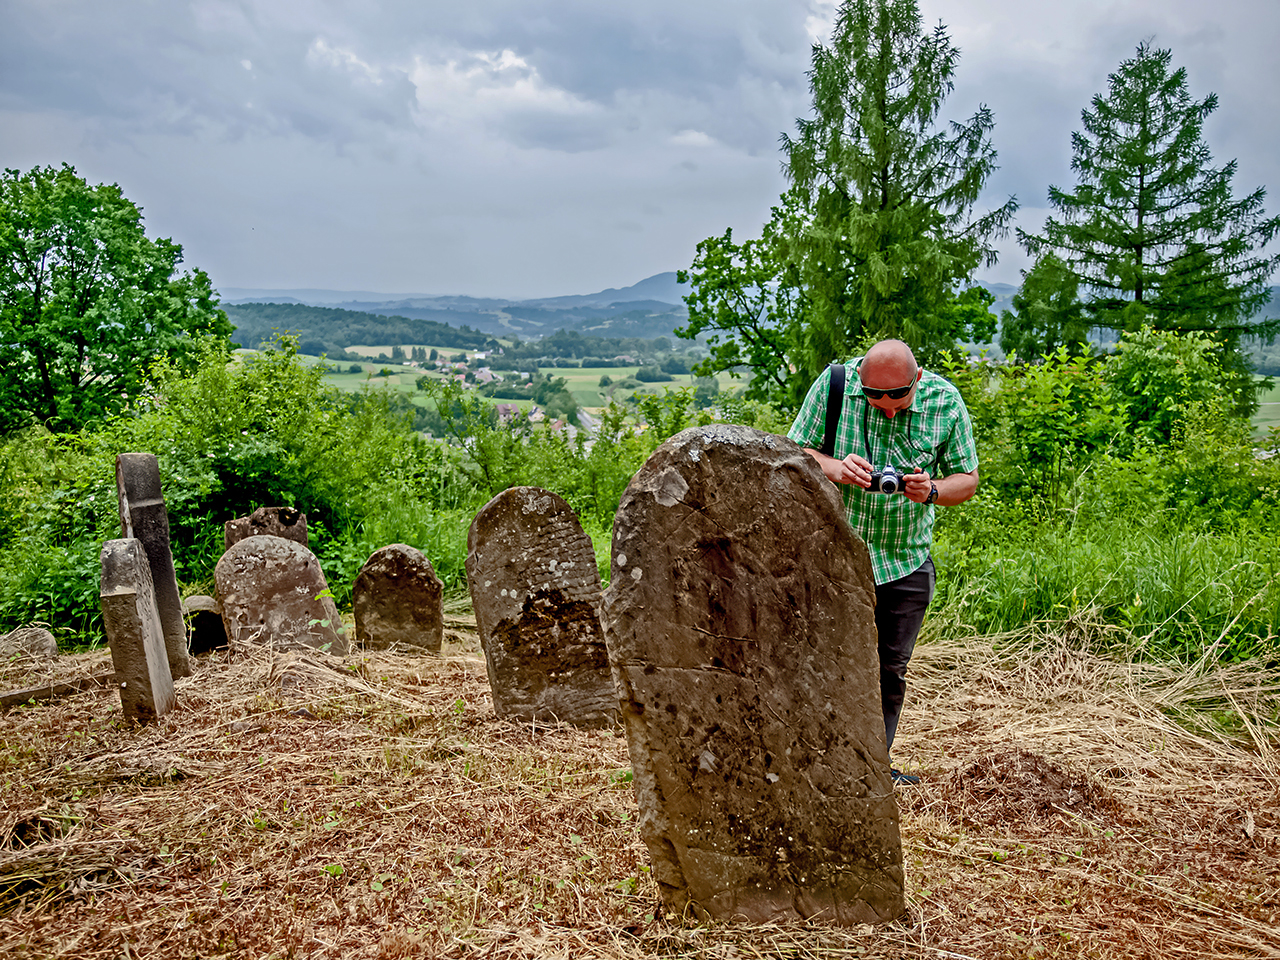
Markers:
303,806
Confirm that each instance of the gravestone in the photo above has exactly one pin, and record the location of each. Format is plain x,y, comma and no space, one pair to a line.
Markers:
208,632
143,515
287,522
535,588
35,643
131,621
272,591
740,624
398,601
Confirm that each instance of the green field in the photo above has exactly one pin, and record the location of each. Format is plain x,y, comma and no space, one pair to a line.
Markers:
1268,415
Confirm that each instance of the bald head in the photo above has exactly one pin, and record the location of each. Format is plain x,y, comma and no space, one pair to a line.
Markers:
888,364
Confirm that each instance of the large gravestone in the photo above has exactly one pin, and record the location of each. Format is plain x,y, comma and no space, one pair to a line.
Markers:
397,600
535,588
740,623
287,522
143,515
272,591
131,622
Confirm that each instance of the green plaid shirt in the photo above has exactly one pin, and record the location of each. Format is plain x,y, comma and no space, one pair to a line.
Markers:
934,434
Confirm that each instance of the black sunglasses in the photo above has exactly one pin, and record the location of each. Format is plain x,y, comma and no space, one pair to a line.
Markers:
897,393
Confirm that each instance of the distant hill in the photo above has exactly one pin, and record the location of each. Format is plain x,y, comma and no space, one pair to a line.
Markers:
331,330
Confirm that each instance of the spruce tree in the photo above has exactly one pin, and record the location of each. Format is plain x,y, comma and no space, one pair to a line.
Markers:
1152,230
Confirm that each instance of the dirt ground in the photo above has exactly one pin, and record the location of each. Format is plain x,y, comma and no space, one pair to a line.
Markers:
307,806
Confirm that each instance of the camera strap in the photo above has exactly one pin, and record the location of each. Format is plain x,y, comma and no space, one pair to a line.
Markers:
835,405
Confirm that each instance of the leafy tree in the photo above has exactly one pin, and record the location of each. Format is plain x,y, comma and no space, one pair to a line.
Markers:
87,301
1152,230
877,229
1047,313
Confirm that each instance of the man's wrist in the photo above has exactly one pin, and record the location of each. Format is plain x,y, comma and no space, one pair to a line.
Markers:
933,494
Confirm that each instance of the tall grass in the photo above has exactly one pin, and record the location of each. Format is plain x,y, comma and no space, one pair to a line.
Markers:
1167,592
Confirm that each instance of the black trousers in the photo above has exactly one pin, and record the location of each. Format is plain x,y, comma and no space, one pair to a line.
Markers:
900,607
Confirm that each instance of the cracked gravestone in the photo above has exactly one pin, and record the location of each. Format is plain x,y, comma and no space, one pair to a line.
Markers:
272,591
131,622
398,601
535,587
287,522
740,624
143,515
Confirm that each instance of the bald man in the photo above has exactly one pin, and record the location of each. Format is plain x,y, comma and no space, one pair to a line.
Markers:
894,414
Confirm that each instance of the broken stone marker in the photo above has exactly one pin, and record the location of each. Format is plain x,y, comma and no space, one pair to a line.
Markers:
143,515
207,629
272,591
398,601
287,522
741,629
132,625
535,588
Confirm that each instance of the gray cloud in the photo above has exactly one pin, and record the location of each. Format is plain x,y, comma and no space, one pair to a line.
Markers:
533,147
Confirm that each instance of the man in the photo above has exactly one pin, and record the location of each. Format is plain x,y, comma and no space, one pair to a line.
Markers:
894,415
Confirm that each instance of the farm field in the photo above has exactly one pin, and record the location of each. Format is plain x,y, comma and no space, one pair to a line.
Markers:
1268,415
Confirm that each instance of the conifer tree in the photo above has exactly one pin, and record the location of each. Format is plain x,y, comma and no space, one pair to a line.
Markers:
1152,230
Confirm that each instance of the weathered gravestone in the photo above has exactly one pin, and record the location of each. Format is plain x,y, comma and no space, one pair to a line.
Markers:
35,643
398,601
535,588
131,622
143,515
272,591
208,632
740,624
287,522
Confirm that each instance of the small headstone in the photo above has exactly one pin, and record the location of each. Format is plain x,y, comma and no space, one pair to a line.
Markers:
287,522
34,642
398,601
207,629
143,515
131,622
740,623
535,588
272,591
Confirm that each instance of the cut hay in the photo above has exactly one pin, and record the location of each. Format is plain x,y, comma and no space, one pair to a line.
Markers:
301,805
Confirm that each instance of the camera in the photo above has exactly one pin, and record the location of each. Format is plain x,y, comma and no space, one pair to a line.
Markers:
887,480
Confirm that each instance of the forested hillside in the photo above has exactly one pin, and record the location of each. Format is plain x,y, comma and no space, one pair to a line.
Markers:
331,330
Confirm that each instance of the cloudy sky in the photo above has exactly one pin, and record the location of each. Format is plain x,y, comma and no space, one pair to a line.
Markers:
529,148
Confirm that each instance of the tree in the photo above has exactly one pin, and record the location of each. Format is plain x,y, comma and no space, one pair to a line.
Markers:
877,230
1047,313
87,301
1152,230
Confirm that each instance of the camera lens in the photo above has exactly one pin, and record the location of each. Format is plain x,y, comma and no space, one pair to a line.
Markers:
888,484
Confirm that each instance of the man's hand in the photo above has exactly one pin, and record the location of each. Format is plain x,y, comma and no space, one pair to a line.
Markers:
916,486
853,469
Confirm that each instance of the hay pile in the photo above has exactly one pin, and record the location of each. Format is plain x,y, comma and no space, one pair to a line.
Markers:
306,806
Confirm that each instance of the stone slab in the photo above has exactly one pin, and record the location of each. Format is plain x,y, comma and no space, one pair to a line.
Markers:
143,515
272,591
740,625
131,622
287,522
535,587
398,601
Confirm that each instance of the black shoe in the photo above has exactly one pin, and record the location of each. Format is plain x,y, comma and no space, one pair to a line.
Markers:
901,779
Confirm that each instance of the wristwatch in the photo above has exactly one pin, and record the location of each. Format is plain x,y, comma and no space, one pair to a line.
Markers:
933,493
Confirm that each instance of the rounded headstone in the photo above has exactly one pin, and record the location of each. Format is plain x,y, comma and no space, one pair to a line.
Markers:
204,617
34,642
272,591
398,601
535,587
740,624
